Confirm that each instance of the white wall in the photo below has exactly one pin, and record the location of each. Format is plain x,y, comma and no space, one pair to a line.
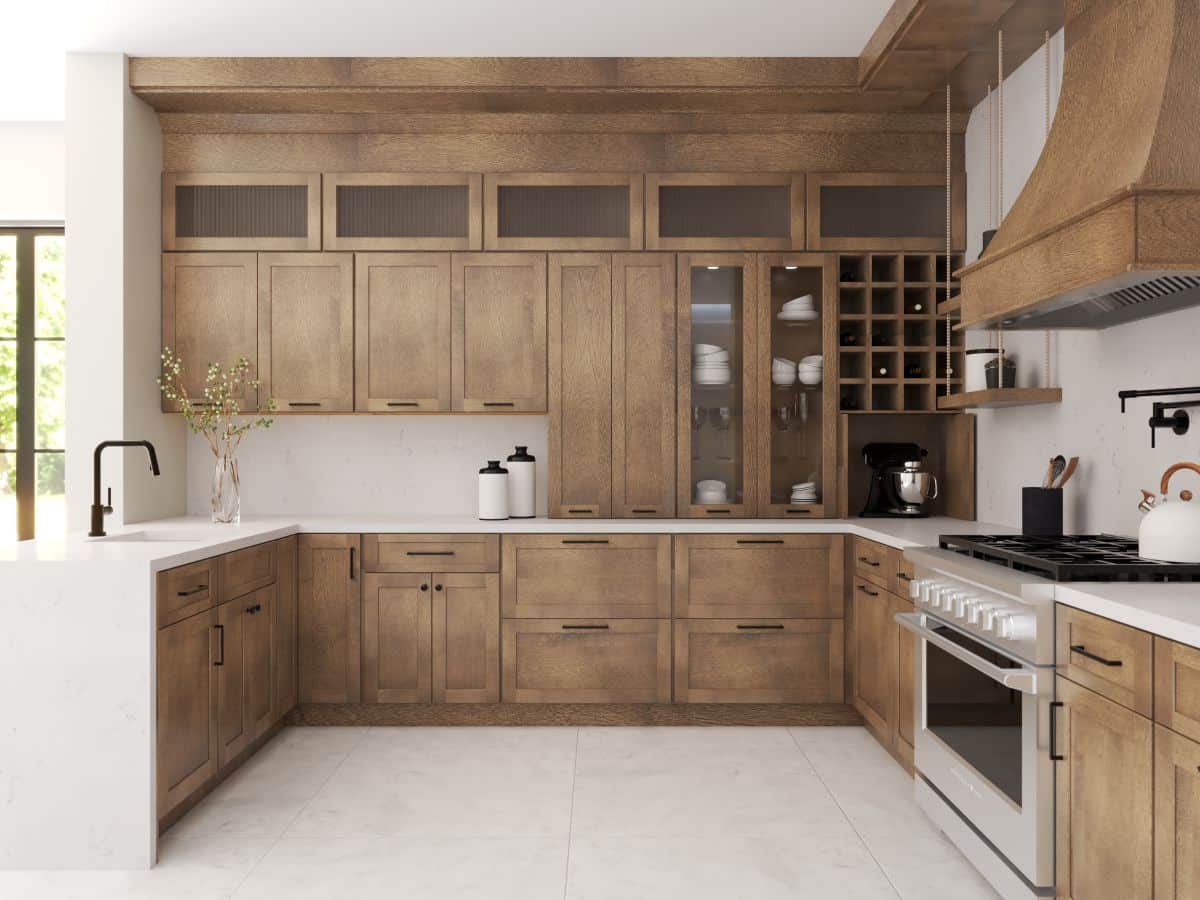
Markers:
1014,444
114,282
369,465
31,172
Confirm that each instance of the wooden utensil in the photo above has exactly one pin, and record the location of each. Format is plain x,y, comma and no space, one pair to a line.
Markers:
1049,477
1066,474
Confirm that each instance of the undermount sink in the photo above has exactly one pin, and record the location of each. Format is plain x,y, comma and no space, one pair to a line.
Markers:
155,537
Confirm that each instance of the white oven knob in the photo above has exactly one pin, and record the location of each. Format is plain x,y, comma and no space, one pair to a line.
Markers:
991,614
1020,627
927,591
950,600
972,606
1003,624
961,601
914,588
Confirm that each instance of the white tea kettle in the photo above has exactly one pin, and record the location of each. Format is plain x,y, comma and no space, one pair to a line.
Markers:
1171,529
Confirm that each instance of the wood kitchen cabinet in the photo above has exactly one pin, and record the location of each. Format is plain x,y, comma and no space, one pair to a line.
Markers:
397,638
284,630
466,638
186,730
306,330
330,618
875,647
402,332
1176,816
210,315
580,354
241,211
904,738
245,682
1104,830
498,337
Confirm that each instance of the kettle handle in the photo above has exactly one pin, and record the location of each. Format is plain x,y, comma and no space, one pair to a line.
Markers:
1175,468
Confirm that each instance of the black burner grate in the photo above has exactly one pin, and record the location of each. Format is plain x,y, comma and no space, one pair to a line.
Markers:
1072,557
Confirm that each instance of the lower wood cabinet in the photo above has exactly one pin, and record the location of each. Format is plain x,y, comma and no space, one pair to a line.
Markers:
906,654
1176,815
330,618
186,728
396,629
1104,830
586,661
244,682
785,661
466,638
875,648
285,630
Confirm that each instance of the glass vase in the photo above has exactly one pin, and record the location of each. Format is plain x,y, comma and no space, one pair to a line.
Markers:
226,491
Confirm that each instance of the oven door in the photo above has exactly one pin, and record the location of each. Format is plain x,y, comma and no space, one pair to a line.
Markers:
982,732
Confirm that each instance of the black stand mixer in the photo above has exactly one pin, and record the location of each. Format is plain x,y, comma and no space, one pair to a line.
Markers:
898,484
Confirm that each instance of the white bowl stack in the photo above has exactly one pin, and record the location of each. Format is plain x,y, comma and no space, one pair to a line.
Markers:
811,370
710,490
798,309
783,372
710,365
804,493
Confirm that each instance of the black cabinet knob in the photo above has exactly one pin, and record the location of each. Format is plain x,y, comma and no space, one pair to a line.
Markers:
437,587
424,587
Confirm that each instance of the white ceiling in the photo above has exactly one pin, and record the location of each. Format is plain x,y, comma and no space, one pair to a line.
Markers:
36,33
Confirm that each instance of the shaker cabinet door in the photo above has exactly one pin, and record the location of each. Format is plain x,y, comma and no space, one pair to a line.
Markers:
397,610
466,638
186,733
306,330
402,332
498,358
210,315
329,618
875,657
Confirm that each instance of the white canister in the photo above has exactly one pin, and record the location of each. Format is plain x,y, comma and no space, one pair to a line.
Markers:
522,500
977,361
493,491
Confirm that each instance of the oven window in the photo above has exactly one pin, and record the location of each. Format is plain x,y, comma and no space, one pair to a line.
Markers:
978,718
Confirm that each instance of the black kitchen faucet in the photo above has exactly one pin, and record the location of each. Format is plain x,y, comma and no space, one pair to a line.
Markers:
99,510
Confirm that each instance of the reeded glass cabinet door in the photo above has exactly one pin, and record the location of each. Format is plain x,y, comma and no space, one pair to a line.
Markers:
797,392
716,387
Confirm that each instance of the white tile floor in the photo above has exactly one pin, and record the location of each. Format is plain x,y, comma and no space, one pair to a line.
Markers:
531,813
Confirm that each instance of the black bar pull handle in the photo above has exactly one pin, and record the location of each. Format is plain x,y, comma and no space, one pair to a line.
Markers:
904,577
644,511
585,628
775,627
498,403
798,512
717,512
585,540
760,540
1083,651
196,590
352,549
430,552
867,591
577,511
1054,754
220,644
304,403
869,561
403,403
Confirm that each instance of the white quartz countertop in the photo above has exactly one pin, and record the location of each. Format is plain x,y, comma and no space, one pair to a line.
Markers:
1170,610
179,541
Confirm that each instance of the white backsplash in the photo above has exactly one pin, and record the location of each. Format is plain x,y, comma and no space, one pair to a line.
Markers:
1091,366
370,464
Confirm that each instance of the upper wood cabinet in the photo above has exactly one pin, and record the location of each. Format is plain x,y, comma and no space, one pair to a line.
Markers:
393,211
643,385
186,732
580,353
210,315
715,475
402,332
498,358
330,614
724,211
884,211
207,211
556,211
306,330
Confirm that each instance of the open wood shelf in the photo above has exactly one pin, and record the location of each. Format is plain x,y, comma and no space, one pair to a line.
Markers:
997,398
891,331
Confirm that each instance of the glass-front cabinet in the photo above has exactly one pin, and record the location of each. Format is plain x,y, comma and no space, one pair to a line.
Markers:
796,391
716,388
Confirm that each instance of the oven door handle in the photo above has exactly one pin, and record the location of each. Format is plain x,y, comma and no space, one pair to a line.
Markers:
1023,680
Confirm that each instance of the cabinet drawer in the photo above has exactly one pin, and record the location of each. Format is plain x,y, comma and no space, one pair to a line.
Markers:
586,661
247,570
1177,687
758,661
431,553
904,574
875,562
184,591
579,575
1112,659
728,576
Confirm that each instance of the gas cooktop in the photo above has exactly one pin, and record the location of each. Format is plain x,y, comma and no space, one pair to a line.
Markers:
1071,557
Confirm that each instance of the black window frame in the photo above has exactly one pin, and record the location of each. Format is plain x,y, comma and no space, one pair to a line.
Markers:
26,340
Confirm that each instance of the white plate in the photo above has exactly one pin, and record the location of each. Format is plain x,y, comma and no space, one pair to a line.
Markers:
798,316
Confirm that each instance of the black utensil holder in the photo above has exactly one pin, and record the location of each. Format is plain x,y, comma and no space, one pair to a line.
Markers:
1042,511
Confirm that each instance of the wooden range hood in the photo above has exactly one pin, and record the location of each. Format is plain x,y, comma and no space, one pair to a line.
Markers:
1107,229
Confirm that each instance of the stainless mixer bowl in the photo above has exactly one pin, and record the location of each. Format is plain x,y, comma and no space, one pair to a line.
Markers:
915,487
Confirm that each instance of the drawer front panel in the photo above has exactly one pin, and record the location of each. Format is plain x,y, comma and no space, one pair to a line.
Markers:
1112,659
586,661
1177,687
759,661
875,562
431,553
726,576
184,591
247,570
574,575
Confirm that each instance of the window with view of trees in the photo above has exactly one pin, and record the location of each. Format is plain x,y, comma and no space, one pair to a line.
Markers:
33,312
